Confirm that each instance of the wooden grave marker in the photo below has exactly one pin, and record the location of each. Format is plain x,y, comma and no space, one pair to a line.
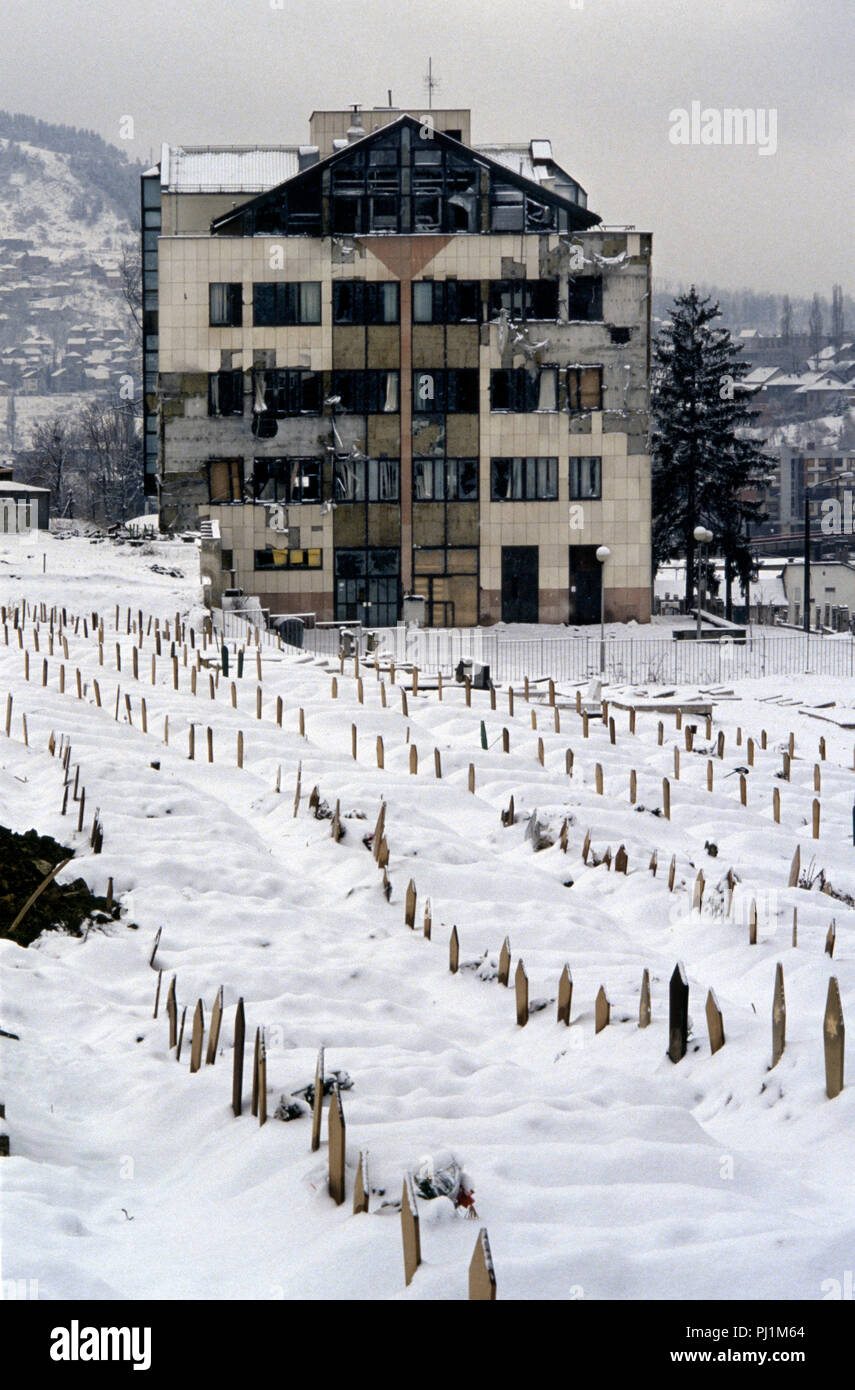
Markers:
644,1002
521,993
237,1059
779,1016
602,1011
410,1230
482,1275
318,1101
214,1035
504,963
715,1023
565,996
197,1037
360,1186
410,906
834,1038
336,1146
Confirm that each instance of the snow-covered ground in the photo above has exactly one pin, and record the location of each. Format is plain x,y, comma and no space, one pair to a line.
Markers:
600,1168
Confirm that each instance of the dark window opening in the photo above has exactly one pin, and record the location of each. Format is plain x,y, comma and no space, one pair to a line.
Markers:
225,305
518,390
452,480
446,301
452,390
524,480
367,480
586,478
289,480
585,298
524,299
280,304
366,301
287,391
371,392
225,393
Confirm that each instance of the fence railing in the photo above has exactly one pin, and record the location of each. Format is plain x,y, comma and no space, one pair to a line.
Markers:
627,661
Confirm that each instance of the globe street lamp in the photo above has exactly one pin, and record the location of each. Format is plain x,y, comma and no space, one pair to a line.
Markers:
603,554
703,538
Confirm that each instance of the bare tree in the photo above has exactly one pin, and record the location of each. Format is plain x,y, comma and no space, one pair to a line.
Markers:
113,458
815,326
130,270
52,461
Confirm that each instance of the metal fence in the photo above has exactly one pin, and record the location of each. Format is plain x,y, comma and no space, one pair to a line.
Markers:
628,661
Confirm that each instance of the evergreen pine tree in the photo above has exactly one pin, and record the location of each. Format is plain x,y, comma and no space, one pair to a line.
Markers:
705,470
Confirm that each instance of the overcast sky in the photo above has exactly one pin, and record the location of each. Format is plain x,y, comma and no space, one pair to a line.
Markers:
600,78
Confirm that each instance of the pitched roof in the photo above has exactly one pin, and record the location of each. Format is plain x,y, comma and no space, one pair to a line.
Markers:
581,217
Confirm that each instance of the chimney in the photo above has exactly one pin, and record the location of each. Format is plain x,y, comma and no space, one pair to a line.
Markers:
356,130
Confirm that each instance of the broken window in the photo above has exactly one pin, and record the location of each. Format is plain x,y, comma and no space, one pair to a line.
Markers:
521,391
524,479
288,391
289,480
446,391
524,299
366,301
371,392
507,208
584,388
585,298
367,480
225,304
280,304
225,480
225,393
585,478
446,301
455,480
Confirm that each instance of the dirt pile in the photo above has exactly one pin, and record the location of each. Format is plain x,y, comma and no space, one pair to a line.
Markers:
25,861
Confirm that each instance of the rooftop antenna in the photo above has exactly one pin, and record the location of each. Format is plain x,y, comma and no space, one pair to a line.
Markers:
431,83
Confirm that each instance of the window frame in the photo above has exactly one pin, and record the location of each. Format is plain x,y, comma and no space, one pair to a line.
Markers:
368,472
529,473
574,382
234,304
287,306
235,392
576,493
523,390
283,479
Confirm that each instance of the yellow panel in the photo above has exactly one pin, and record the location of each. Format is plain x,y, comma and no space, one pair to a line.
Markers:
313,559
429,561
462,561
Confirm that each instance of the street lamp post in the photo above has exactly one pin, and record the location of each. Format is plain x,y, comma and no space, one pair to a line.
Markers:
703,538
603,554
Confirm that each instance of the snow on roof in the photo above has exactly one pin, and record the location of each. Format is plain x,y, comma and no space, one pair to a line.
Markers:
7,487
227,168
759,376
522,159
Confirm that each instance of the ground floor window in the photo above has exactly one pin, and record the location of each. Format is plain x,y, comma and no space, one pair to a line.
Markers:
367,586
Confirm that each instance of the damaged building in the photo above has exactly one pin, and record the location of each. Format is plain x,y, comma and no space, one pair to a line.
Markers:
390,362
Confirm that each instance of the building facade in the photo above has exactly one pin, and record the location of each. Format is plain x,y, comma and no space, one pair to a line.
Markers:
391,363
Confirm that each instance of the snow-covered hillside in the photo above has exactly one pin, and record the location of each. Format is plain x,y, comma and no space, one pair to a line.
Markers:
600,1168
